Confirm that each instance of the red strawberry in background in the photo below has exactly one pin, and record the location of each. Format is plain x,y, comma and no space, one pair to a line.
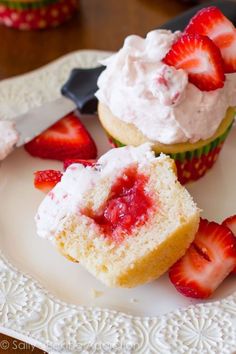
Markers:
200,58
85,163
231,224
211,22
66,139
46,180
207,262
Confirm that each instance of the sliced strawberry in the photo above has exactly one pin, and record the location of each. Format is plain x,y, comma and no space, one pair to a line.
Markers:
46,180
200,57
85,163
67,139
211,22
231,224
207,262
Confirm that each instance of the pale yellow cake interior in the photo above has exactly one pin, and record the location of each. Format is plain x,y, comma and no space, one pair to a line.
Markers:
151,249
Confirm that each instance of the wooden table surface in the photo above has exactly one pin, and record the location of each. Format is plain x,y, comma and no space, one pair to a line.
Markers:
99,24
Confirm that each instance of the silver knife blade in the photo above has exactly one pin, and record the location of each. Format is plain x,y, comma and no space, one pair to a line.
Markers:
36,120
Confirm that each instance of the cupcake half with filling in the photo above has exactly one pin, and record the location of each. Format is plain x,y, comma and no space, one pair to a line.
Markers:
175,90
126,219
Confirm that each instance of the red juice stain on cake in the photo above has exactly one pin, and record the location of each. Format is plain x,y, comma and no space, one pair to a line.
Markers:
127,206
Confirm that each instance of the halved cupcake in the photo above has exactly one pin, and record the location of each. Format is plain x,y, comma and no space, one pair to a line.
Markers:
175,90
126,219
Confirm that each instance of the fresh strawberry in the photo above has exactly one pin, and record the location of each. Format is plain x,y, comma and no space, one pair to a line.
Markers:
231,224
211,22
46,180
69,162
67,139
200,57
207,262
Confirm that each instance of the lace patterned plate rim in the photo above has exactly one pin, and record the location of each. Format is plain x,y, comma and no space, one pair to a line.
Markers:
29,312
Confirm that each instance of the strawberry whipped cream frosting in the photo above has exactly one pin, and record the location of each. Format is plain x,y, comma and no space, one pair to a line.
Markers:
8,138
158,99
68,196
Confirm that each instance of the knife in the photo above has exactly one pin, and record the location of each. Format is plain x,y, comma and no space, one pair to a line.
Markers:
78,92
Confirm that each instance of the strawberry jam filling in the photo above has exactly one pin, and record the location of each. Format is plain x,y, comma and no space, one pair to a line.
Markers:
127,206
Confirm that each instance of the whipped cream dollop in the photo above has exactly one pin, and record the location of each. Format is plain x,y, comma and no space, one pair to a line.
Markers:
140,89
8,138
67,197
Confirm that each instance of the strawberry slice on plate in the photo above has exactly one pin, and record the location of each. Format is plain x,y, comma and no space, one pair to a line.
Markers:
83,162
66,139
207,262
230,222
46,180
200,58
211,22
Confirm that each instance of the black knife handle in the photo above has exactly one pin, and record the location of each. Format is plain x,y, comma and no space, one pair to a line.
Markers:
81,87
180,22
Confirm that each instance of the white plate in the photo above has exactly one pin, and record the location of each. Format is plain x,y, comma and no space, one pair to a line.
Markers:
29,312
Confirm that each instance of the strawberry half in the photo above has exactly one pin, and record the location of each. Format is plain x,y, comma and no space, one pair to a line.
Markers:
231,224
85,163
67,139
211,22
207,262
46,180
200,58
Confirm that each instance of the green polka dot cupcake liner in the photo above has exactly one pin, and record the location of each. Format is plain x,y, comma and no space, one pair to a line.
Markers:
193,164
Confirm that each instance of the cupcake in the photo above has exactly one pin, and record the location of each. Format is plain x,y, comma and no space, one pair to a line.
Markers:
175,90
36,14
125,219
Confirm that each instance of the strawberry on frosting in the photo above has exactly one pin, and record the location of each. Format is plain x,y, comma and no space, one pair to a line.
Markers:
211,22
200,58
206,50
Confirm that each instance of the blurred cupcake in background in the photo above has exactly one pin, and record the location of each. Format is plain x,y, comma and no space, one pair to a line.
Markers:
36,14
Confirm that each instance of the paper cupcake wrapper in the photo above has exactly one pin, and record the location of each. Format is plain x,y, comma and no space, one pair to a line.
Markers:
192,165
51,15
18,5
